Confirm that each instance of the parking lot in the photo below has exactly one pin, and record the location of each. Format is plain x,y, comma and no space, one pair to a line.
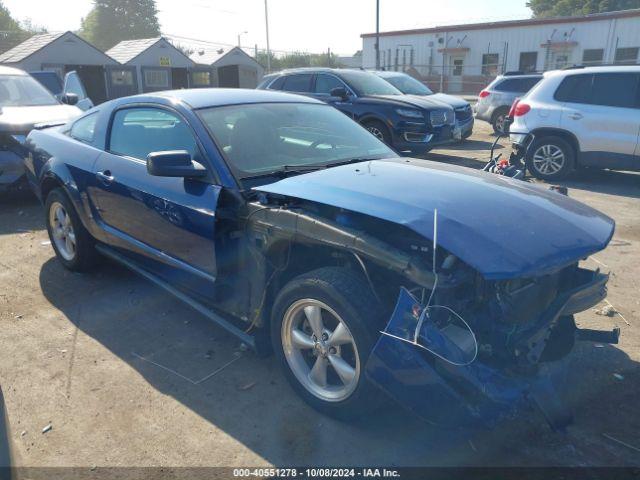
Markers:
127,376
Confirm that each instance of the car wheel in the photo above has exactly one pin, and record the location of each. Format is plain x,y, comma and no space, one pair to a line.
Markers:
499,122
378,130
72,243
550,158
323,329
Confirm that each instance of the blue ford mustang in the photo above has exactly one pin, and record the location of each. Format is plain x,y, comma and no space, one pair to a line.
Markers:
293,228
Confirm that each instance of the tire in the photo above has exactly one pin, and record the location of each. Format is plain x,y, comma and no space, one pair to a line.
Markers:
338,294
378,130
71,242
497,121
550,158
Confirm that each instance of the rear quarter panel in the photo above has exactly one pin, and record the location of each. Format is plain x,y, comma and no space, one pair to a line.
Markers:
55,158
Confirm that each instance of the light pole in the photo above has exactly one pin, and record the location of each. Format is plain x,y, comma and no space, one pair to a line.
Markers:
266,22
377,34
239,35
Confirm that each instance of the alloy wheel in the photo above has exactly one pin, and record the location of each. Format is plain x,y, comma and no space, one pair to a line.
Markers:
548,159
62,231
320,350
376,132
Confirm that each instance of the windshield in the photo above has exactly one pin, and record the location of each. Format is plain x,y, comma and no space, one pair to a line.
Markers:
408,85
264,138
367,83
23,91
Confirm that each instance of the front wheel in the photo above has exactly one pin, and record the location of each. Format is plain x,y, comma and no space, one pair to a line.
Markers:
550,158
378,130
323,330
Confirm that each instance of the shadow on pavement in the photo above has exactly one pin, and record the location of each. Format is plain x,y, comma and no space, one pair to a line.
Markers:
174,349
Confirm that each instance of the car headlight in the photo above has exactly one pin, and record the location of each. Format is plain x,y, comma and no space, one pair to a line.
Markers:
408,112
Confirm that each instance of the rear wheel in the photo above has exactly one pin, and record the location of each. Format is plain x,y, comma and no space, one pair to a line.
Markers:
550,158
323,330
499,121
72,243
378,130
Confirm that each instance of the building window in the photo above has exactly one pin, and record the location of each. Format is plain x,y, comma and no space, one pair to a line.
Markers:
490,64
593,56
627,55
122,77
201,79
156,78
528,62
411,59
561,61
388,58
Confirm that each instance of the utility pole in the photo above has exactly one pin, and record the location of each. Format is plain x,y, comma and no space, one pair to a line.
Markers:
266,21
239,35
377,34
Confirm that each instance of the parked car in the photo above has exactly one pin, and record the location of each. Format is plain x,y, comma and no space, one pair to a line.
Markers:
496,99
290,226
580,117
23,104
404,123
72,84
411,86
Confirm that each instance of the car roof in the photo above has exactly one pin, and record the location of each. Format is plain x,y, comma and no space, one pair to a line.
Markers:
11,71
289,71
215,97
389,73
600,69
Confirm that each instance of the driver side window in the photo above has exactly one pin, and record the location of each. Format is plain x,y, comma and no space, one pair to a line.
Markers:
136,132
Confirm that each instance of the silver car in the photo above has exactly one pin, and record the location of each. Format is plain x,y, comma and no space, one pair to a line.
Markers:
495,101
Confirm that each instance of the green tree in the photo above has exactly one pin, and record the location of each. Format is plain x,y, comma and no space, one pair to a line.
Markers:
11,33
111,21
566,8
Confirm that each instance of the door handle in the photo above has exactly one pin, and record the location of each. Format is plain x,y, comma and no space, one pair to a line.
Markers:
575,116
105,177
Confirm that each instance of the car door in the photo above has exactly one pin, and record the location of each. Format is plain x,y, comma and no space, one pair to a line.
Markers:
601,110
166,224
322,86
73,84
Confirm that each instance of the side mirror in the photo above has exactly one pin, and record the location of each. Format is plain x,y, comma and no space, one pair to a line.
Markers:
174,163
339,92
69,98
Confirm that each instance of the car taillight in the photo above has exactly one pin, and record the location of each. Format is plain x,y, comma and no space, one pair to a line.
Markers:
484,94
521,109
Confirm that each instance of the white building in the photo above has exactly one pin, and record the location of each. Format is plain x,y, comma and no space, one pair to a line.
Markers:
464,58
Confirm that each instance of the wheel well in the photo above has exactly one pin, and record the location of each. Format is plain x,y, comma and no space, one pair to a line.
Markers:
290,260
497,111
366,120
567,136
47,185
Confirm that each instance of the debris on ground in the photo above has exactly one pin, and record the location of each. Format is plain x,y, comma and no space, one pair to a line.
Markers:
18,317
606,311
620,442
247,386
23,433
617,376
47,428
45,243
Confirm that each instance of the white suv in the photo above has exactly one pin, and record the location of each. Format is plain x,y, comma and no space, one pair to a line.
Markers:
579,117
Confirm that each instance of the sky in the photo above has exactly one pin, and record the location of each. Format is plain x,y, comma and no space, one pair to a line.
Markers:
294,25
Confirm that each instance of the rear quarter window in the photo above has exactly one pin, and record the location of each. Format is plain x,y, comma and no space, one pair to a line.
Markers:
84,128
297,83
516,85
616,90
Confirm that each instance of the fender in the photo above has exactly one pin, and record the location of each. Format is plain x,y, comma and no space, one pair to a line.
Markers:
56,173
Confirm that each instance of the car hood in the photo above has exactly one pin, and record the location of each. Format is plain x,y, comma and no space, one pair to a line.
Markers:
503,228
455,102
410,100
22,119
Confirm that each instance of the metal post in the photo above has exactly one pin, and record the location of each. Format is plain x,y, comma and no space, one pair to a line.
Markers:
377,34
266,21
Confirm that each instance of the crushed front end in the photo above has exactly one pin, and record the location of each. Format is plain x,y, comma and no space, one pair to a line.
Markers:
475,351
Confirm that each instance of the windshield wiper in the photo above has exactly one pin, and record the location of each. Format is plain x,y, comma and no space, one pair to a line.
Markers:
303,168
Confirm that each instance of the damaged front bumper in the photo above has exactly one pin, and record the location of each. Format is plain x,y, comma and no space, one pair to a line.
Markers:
439,385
